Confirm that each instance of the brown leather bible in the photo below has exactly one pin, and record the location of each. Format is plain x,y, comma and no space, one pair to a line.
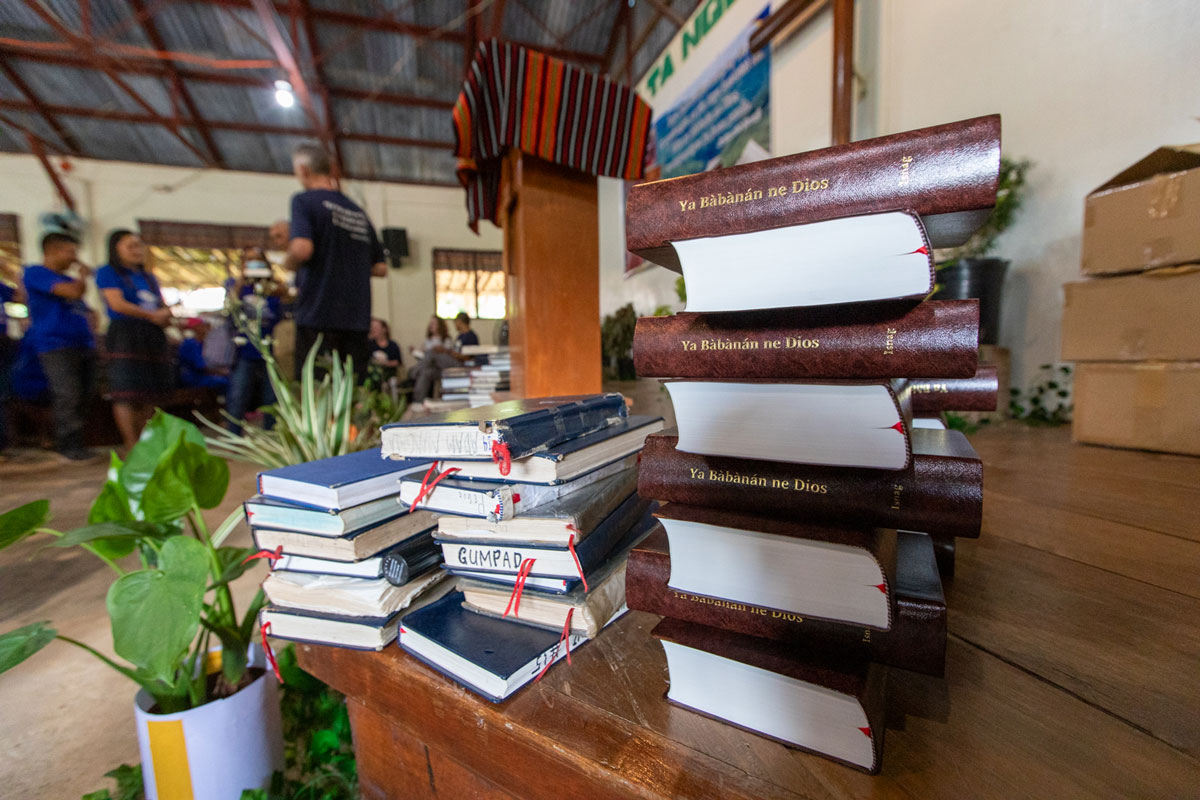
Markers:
916,641
976,392
941,490
947,173
936,339
804,697
835,572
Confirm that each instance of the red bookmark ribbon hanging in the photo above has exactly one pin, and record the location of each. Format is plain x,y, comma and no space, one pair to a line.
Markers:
501,456
427,485
571,548
565,638
270,653
514,599
271,555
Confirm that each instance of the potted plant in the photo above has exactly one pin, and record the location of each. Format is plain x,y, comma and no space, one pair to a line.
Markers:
965,271
616,342
208,722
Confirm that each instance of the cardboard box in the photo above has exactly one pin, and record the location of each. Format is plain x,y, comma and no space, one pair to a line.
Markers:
1147,216
1153,405
1150,316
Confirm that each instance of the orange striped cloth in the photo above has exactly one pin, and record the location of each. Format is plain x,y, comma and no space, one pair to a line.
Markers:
514,97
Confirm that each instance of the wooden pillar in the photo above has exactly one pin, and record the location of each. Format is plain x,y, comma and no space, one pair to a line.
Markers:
843,69
552,265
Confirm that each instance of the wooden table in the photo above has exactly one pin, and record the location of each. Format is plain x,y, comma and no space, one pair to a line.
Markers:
1073,670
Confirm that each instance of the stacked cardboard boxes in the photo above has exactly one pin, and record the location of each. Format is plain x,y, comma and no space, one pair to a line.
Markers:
1132,327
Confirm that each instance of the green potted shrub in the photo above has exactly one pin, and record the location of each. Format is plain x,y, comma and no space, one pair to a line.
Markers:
967,271
210,730
616,342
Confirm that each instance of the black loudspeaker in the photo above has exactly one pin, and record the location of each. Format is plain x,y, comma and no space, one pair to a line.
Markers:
395,242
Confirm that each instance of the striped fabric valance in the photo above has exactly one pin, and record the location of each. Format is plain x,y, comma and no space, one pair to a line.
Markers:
514,97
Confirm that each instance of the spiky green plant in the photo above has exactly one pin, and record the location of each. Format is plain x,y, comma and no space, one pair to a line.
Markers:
316,418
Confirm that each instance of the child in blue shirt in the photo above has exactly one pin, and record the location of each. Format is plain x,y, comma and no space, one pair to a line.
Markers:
62,338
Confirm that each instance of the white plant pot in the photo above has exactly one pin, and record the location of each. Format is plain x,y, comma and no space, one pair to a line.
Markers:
215,751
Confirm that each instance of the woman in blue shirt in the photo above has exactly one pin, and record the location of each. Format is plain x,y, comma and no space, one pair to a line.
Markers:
139,363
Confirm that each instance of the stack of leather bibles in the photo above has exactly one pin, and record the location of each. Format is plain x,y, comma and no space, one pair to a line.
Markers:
537,511
795,563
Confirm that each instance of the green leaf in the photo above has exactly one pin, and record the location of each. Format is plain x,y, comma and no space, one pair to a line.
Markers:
210,477
111,505
129,781
18,645
155,613
117,535
168,494
233,563
21,521
161,433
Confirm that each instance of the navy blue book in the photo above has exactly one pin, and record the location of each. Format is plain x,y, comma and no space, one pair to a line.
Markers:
571,458
489,656
554,562
512,430
339,482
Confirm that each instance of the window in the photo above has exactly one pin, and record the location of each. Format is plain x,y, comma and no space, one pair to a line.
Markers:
470,281
193,260
10,262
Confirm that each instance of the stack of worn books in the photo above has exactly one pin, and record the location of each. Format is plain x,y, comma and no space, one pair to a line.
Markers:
455,387
346,558
491,376
796,556
537,510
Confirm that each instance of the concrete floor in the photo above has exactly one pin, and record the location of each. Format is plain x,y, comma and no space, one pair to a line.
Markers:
65,717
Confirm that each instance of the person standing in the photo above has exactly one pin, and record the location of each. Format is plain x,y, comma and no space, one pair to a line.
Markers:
140,375
8,356
60,335
249,384
334,251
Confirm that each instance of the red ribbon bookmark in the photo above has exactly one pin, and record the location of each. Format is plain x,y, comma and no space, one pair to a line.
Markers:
566,637
571,548
270,653
271,555
427,486
514,599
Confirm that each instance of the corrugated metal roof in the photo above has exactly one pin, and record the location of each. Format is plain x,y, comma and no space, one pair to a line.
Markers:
248,128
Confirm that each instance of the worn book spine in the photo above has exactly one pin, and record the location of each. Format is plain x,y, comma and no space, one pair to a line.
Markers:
937,339
933,171
977,392
940,493
916,641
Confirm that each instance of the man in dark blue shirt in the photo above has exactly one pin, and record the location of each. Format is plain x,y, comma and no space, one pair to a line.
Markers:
335,252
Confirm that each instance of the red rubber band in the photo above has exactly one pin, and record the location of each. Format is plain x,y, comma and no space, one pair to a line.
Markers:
501,456
427,486
271,555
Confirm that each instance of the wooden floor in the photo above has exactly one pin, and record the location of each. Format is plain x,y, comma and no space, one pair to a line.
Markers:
1073,669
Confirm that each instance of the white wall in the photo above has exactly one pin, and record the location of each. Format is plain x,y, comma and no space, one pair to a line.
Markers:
1084,88
113,194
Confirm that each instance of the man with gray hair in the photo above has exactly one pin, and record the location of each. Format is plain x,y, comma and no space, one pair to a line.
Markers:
334,251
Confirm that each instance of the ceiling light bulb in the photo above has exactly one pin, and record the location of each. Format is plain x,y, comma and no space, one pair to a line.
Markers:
285,98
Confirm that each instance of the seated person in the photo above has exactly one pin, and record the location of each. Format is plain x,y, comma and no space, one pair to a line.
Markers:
193,371
385,353
466,336
439,353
